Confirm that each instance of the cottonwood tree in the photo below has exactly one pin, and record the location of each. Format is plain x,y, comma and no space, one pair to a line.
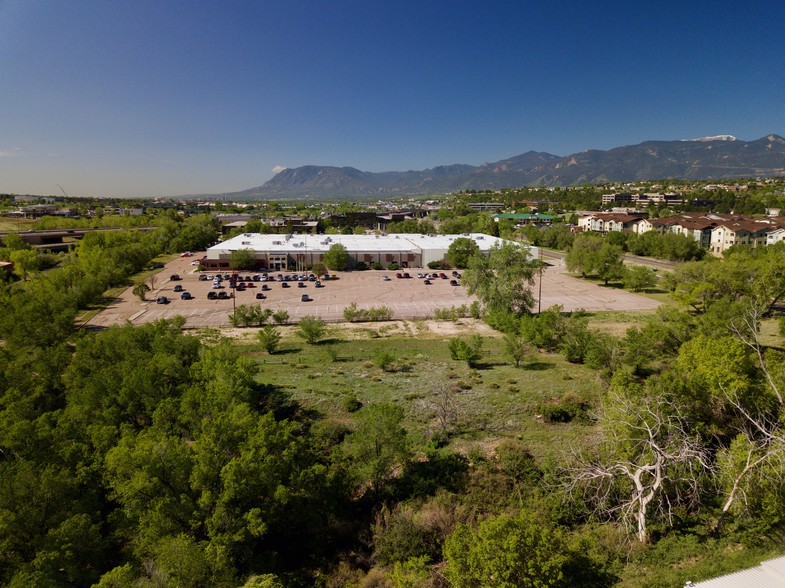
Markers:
647,449
503,280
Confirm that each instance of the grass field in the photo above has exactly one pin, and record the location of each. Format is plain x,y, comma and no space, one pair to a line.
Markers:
493,401
15,224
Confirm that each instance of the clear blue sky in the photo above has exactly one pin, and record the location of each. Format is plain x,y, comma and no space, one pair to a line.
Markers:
158,97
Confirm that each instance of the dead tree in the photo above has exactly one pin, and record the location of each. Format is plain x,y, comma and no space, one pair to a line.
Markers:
760,443
648,449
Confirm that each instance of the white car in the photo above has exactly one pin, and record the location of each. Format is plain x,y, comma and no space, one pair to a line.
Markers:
386,278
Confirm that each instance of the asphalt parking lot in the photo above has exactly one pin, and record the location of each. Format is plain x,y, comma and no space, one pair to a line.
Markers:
408,298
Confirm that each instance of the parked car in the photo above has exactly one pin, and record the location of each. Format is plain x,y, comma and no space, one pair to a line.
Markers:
217,285
443,276
265,287
162,300
175,277
178,288
419,275
240,287
285,285
427,282
399,275
318,284
453,282
386,278
222,295
260,296
406,275
186,296
212,295
203,278
305,298
301,285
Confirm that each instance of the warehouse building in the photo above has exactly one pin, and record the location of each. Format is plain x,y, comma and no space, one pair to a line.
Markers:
300,251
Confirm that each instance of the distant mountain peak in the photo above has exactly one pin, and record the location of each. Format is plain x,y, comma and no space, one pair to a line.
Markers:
707,158
715,138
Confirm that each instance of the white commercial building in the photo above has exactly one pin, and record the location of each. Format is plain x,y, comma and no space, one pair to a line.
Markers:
276,252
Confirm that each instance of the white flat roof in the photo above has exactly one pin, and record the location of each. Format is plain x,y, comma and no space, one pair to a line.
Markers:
322,243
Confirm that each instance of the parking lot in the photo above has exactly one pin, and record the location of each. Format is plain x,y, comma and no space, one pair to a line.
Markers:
408,298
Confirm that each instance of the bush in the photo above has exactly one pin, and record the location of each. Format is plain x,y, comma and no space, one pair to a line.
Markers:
568,408
351,403
393,266
281,317
361,266
469,352
377,266
269,338
311,329
384,360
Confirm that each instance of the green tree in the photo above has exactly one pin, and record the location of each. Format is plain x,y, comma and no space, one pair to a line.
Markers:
516,347
470,352
503,280
140,290
460,251
269,338
378,446
312,329
25,262
639,277
505,552
243,259
281,317
336,258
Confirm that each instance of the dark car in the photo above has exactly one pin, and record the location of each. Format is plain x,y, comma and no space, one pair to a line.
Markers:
240,287
284,284
453,282
406,275
175,277
301,284
202,277
212,295
260,296
186,296
178,288
162,300
318,284
427,282
305,298
223,296
265,287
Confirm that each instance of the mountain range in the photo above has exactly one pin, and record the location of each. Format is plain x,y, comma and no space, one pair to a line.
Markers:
708,158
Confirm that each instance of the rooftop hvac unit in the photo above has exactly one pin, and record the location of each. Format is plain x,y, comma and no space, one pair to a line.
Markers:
246,242
277,243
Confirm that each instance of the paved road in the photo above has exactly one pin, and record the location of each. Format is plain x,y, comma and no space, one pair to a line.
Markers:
659,264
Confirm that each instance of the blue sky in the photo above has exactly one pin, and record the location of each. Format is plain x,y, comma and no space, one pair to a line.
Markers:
158,97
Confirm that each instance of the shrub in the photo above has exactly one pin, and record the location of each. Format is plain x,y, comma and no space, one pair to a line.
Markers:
361,266
351,403
393,266
384,359
469,352
311,329
269,338
281,317
377,266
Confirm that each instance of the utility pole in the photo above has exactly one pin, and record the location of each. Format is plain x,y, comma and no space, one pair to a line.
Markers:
539,295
